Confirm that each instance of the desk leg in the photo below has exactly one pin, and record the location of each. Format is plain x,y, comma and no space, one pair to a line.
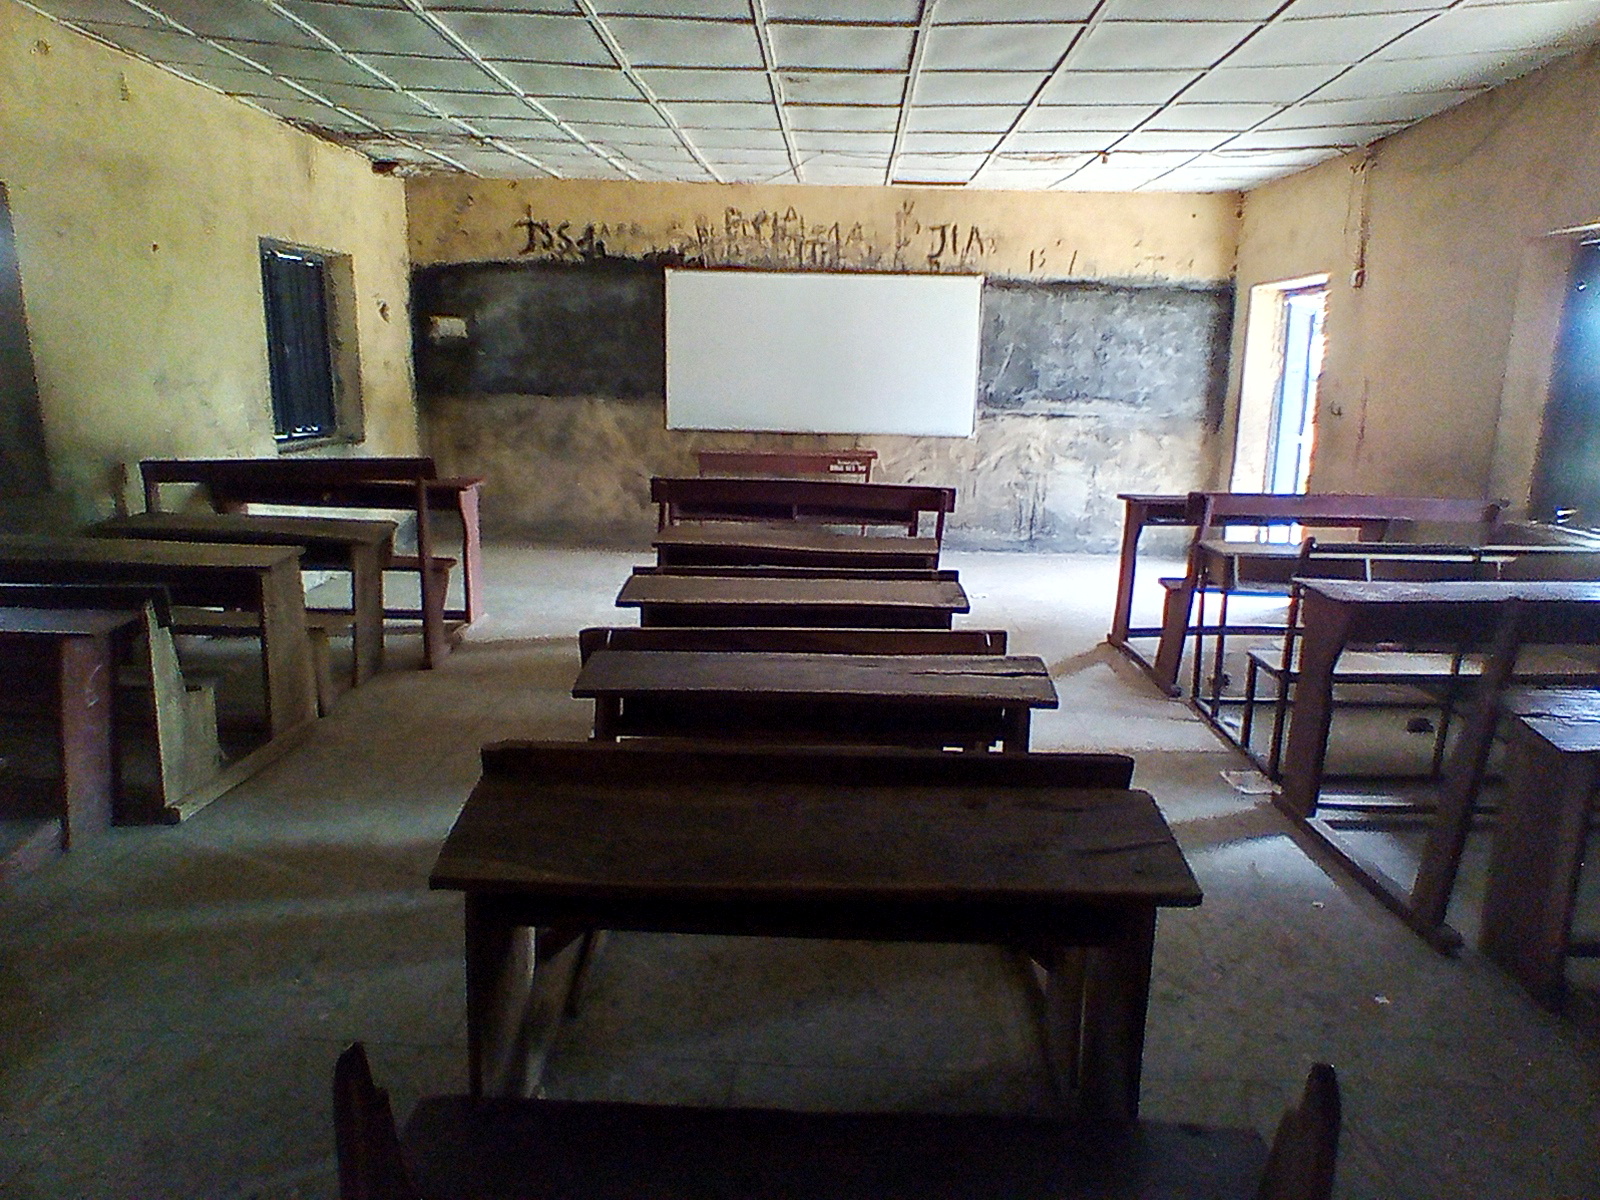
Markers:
1326,629
1122,611
1534,867
366,595
499,978
471,555
607,710
1174,632
88,774
1018,721
289,681
1116,994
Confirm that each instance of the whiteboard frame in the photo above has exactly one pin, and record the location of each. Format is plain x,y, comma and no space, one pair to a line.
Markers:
797,352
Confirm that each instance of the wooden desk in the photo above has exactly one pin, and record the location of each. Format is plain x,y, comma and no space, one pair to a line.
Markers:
752,600
77,649
360,547
264,580
1141,509
876,846
789,464
822,501
1500,616
1553,770
728,543
831,699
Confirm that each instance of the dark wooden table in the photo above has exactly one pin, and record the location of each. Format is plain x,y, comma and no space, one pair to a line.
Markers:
875,846
902,699
1553,771
1141,509
740,543
362,548
838,602
264,580
77,650
1498,616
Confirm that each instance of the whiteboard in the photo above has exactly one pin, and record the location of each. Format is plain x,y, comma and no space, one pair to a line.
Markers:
816,353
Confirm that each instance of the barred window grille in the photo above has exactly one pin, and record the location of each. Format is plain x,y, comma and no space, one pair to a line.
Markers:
299,349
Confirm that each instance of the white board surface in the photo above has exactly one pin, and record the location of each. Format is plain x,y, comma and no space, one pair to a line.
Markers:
818,353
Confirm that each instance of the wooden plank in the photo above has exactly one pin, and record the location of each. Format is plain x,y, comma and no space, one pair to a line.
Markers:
779,639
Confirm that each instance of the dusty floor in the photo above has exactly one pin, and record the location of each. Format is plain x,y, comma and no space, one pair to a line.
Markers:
172,999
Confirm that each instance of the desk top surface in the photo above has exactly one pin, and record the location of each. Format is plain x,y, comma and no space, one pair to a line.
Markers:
248,529
791,536
64,622
1454,592
766,591
975,678
89,552
692,840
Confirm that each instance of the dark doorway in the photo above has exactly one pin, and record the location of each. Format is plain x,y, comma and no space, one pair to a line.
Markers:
24,468
1566,481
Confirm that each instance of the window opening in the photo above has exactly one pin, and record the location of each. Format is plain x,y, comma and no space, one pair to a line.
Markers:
1566,482
299,343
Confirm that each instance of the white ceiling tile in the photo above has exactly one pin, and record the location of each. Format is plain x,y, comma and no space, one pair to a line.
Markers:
1102,117
1344,136
1167,139
628,138
976,87
1059,141
835,141
707,84
605,112
436,74
1157,45
1388,77
247,20
860,12
1338,40
1311,113
841,87
1341,8
311,65
359,30
735,139
167,45
1249,85
944,143
1115,87
529,37
472,105
704,115
542,6
1192,10
1507,27
1211,116
841,47
727,10
664,42
986,118
811,116
115,12
999,12
560,79
1268,158
996,47
918,163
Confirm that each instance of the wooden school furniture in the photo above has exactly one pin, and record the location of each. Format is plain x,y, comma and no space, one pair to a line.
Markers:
408,485
938,700
1049,855
1377,518
757,600
263,580
853,465
1139,510
817,501
361,548
792,640
1497,617
70,657
1552,773
774,572
455,1147
730,543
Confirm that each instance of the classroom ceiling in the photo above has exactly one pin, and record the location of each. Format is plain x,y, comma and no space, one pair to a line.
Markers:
1078,95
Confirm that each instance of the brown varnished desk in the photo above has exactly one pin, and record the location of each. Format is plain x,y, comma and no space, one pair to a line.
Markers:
757,600
878,845
901,699
741,543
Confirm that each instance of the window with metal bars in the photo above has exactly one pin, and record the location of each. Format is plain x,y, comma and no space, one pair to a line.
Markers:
294,284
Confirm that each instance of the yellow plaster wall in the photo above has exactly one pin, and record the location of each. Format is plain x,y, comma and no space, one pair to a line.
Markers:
139,200
1166,238
1410,400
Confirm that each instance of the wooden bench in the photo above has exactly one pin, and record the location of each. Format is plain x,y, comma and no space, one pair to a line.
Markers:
750,543
778,639
819,501
764,571
853,465
1553,772
836,602
395,484
456,1148
1377,518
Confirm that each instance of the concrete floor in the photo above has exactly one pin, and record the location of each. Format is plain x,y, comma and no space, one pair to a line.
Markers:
172,999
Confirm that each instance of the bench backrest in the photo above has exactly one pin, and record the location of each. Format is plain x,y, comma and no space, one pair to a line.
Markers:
826,501
794,641
851,465
127,597
777,571
1373,515
276,480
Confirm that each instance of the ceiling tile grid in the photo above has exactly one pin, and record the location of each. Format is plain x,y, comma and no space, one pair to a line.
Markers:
1090,95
